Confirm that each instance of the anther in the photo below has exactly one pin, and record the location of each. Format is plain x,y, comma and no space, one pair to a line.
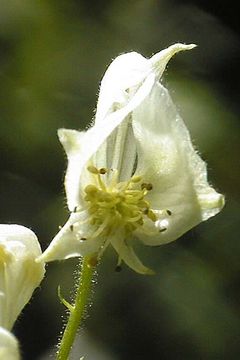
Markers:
151,215
169,212
90,189
118,268
140,221
163,229
147,186
136,179
71,227
83,238
92,169
102,171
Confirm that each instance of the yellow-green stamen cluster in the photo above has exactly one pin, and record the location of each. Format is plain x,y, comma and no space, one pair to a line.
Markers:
120,204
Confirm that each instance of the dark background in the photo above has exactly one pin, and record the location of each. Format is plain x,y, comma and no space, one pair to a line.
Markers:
52,57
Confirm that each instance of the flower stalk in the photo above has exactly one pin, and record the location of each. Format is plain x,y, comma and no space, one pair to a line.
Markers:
77,310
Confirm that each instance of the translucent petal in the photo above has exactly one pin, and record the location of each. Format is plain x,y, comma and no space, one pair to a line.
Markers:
121,150
119,84
168,160
126,71
91,142
117,152
19,273
8,346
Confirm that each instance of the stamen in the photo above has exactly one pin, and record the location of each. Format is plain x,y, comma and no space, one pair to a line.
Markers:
93,169
136,179
104,246
117,204
100,182
147,186
103,171
100,229
118,268
135,219
90,189
151,215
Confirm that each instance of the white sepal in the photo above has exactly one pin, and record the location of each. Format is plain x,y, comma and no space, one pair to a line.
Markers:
167,159
70,241
126,73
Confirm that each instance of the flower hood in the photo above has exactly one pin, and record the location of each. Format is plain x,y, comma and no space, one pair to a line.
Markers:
134,174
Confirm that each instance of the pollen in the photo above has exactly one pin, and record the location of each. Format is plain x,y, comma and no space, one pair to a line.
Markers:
112,204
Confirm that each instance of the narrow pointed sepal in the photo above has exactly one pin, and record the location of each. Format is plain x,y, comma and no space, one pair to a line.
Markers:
70,241
128,255
160,60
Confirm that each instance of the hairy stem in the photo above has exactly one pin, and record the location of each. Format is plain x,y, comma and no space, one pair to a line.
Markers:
77,310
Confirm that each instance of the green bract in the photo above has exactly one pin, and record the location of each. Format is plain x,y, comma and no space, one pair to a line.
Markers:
134,174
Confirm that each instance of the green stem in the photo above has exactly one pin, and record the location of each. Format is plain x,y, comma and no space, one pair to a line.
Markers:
77,311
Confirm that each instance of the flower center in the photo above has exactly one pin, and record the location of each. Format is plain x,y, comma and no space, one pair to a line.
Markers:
120,204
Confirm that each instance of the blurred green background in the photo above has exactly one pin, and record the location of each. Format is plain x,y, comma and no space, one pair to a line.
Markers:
53,54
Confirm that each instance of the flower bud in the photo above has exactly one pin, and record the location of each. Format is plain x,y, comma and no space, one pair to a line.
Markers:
20,274
8,346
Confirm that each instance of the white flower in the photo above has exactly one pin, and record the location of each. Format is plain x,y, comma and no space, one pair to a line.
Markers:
134,173
8,346
20,274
